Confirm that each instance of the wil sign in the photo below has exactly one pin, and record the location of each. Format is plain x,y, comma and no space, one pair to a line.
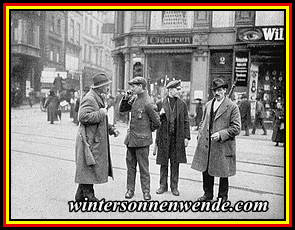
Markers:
241,68
258,34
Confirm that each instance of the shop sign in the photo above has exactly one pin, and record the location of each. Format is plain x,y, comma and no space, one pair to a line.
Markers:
164,40
241,68
258,34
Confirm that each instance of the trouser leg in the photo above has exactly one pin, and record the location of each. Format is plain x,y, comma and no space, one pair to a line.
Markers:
174,175
131,163
164,176
223,187
142,155
208,183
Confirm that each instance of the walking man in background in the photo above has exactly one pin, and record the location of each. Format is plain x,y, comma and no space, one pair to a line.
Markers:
93,159
259,116
144,120
245,110
172,137
215,155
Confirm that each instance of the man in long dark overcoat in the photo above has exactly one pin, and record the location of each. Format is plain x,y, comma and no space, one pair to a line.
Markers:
245,110
93,135
215,155
172,138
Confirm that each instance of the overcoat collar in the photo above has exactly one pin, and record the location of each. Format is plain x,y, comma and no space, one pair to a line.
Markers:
98,98
166,107
222,108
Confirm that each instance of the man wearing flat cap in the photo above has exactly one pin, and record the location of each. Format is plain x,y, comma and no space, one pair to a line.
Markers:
215,155
144,120
93,159
172,138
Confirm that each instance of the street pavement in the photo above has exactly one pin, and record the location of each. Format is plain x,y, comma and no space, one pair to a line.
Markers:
42,169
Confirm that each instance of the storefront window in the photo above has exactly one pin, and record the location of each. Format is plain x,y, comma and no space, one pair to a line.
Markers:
163,68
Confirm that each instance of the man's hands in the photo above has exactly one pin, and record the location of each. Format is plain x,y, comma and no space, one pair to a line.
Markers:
186,141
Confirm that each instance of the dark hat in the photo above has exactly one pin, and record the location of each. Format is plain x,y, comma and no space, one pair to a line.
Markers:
137,81
173,84
218,83
100,80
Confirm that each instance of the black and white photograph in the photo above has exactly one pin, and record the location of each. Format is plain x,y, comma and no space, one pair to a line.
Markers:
147,116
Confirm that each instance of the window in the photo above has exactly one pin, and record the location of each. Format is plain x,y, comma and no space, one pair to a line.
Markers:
221,19
78,31
58,26
71,30
52,23
57,54
120,22
245,17
51,53
30,33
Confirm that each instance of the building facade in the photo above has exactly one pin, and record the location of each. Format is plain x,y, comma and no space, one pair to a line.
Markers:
25,64
197,46
75,44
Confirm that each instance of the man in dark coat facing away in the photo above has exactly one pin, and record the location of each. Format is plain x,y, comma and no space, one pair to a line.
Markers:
215,155
245,110
172,138
92,141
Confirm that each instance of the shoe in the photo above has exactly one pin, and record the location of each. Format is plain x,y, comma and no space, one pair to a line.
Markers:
223,198
264,134
205,198
91,197
161,190
129,194
246,134
253,133
175,192
147,196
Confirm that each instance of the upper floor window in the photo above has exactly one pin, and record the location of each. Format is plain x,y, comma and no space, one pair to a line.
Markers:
120,22
245,17
58,26
71,30
52,23
171,20
270,18
223,19
78,31
174,19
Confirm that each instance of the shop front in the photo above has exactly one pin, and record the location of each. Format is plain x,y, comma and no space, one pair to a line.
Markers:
266,47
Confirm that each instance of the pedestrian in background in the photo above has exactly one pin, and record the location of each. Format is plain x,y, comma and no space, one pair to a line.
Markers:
278,134
245,110
52,105
215,155
93,158
144,120
199,113
58,84
172,137
259,116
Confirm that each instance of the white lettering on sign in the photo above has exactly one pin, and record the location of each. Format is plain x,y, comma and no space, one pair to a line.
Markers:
273,34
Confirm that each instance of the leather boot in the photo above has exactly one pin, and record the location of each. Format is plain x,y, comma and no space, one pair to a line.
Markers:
79,194
88,192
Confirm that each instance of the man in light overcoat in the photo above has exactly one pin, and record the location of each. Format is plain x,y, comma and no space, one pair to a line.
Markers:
215,154
93,134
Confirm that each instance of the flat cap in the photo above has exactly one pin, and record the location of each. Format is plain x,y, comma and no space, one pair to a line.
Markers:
137,81
173,84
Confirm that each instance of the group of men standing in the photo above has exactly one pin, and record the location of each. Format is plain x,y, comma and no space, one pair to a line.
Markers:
215,152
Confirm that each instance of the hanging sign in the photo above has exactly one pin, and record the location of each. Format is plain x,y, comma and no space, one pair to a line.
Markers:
241,68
